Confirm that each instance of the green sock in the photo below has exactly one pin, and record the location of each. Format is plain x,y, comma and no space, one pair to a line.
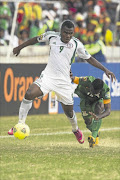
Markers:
94,127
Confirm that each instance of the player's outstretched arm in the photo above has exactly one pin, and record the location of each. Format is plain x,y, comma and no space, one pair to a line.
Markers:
107,111
97,64
16,51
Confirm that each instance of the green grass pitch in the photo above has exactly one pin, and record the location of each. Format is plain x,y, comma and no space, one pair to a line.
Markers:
51,152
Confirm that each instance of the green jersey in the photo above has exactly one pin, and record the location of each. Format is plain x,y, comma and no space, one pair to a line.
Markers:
83,90
4,10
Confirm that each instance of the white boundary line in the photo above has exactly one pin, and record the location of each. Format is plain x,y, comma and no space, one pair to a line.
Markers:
62,133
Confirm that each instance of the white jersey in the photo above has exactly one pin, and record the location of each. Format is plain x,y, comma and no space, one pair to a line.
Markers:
62,55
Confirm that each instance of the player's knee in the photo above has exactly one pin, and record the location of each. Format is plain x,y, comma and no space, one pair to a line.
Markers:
29,95
69,114
88,120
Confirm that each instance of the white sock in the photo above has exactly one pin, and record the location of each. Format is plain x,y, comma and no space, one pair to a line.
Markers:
23,110
73,122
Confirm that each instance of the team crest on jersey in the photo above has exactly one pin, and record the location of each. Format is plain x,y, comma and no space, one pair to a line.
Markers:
84,78
69,45
41,37
86,52
107,95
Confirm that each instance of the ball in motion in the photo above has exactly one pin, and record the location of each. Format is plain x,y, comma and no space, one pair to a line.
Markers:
21,131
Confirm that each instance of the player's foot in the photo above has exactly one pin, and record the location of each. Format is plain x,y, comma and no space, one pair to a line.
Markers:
91,141
10,132
79,136
97,138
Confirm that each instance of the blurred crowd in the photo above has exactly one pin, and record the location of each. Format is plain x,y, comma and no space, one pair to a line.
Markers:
94,21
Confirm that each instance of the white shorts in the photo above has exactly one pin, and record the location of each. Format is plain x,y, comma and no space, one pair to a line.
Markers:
62,89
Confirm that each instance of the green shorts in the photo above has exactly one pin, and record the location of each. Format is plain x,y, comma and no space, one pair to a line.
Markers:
87,107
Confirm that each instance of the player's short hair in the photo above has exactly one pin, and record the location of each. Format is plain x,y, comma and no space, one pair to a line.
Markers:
68,24
97,84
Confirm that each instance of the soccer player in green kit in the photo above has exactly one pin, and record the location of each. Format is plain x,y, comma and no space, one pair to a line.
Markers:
95,104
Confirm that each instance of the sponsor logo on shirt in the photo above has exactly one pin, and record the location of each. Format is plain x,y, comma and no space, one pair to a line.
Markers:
41,37
69,45
107,95
83,78
86,52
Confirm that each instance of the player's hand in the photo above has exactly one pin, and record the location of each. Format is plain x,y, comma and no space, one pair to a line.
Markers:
16,51
94,115
110,75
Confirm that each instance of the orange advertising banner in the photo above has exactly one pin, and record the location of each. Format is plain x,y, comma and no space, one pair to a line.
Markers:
14,81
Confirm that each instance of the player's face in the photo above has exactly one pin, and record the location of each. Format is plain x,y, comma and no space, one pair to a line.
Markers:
93,91
66,34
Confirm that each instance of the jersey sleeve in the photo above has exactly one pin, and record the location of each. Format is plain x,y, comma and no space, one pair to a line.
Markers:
76,80
46,36
107,97
83,80
81,51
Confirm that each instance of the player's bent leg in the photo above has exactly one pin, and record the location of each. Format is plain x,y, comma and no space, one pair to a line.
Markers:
68,109
26,104
94,127
33,92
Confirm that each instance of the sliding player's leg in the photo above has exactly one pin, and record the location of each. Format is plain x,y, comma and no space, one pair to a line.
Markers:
92,124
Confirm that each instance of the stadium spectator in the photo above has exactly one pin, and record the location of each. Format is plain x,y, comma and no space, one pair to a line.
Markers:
97,48
27,13
111,12
80,30
56,76
47,26
37,11
91,28
34,29
47,15
2,37
117,41
95,104
107,33
5,16
88,11
24,36
13,40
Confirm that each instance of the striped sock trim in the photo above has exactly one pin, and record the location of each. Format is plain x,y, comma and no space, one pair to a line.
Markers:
26,101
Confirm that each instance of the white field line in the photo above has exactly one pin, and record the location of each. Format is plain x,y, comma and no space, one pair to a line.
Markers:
62,133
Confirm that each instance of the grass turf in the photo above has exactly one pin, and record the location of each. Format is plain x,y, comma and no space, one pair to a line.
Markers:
59,157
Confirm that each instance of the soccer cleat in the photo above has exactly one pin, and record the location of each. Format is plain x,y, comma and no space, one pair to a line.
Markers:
79,136
97,138
10,132
91,141
97,141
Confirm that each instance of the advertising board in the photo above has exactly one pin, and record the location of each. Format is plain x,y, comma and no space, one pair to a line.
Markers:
14,81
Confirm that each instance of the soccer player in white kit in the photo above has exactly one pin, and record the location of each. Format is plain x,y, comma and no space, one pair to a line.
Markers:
56,75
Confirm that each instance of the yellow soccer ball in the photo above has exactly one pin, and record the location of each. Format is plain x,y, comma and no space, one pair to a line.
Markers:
21,131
